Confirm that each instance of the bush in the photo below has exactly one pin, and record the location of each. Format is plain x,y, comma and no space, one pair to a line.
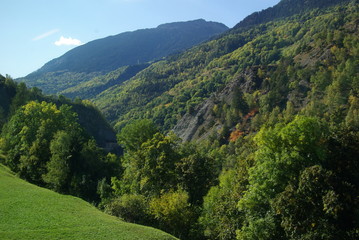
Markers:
129,207
173,212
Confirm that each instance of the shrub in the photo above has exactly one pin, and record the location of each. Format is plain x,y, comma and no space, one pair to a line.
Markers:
129,207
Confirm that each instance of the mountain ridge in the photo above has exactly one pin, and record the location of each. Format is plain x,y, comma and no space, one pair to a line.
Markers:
101,56
284,8
127,36
210,62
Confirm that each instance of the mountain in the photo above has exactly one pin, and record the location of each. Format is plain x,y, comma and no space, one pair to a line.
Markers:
285,8
31,212
96,85
275,104
101,56
178,85
268,117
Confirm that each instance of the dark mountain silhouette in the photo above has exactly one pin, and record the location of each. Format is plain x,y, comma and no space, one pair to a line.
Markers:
130,48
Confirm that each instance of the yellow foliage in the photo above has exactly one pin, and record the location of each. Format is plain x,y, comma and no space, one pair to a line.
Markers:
171,207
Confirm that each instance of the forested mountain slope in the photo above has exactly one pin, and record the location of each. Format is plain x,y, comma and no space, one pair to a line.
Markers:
284,8
256,58
269,118
96,85
101,56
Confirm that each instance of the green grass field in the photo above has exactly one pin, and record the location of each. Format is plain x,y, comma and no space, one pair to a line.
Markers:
31,212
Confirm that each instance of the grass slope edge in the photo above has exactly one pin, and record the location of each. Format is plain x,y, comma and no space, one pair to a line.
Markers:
31,212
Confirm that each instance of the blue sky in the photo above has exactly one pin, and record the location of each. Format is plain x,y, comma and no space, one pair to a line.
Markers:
36,31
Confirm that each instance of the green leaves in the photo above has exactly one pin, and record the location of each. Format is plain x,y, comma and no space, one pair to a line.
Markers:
129,207
283,152
173,212
46,145
220,216
133,135
29,133
58,168
311,210
151,168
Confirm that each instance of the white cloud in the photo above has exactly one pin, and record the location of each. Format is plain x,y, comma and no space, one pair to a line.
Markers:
44,35
68,41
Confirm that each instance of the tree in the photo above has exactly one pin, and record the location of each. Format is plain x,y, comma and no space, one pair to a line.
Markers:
58,168
195,172
88,167
134,134
173,212
320,207
352,118
151,168
283,152
2,117
21,97
131,208
45,145
28,135
220,216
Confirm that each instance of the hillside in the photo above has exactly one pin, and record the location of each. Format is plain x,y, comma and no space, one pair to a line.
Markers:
96,85
13,95
169,89
267,116
101,56
54,142
285,8
31,212
251,135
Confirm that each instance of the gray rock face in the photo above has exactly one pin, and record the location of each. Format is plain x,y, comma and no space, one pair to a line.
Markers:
188,127
202,122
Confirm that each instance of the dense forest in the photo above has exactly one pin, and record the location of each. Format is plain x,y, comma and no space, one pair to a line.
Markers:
252,135
306,43
53,142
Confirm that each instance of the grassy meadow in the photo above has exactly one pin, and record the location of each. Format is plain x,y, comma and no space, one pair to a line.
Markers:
31,212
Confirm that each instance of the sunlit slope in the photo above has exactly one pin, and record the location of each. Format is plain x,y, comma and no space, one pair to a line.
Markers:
31,212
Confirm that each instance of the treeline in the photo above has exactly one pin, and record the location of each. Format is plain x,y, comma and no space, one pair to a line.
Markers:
43,142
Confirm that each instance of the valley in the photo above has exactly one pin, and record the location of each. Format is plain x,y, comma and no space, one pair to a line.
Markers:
201,131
